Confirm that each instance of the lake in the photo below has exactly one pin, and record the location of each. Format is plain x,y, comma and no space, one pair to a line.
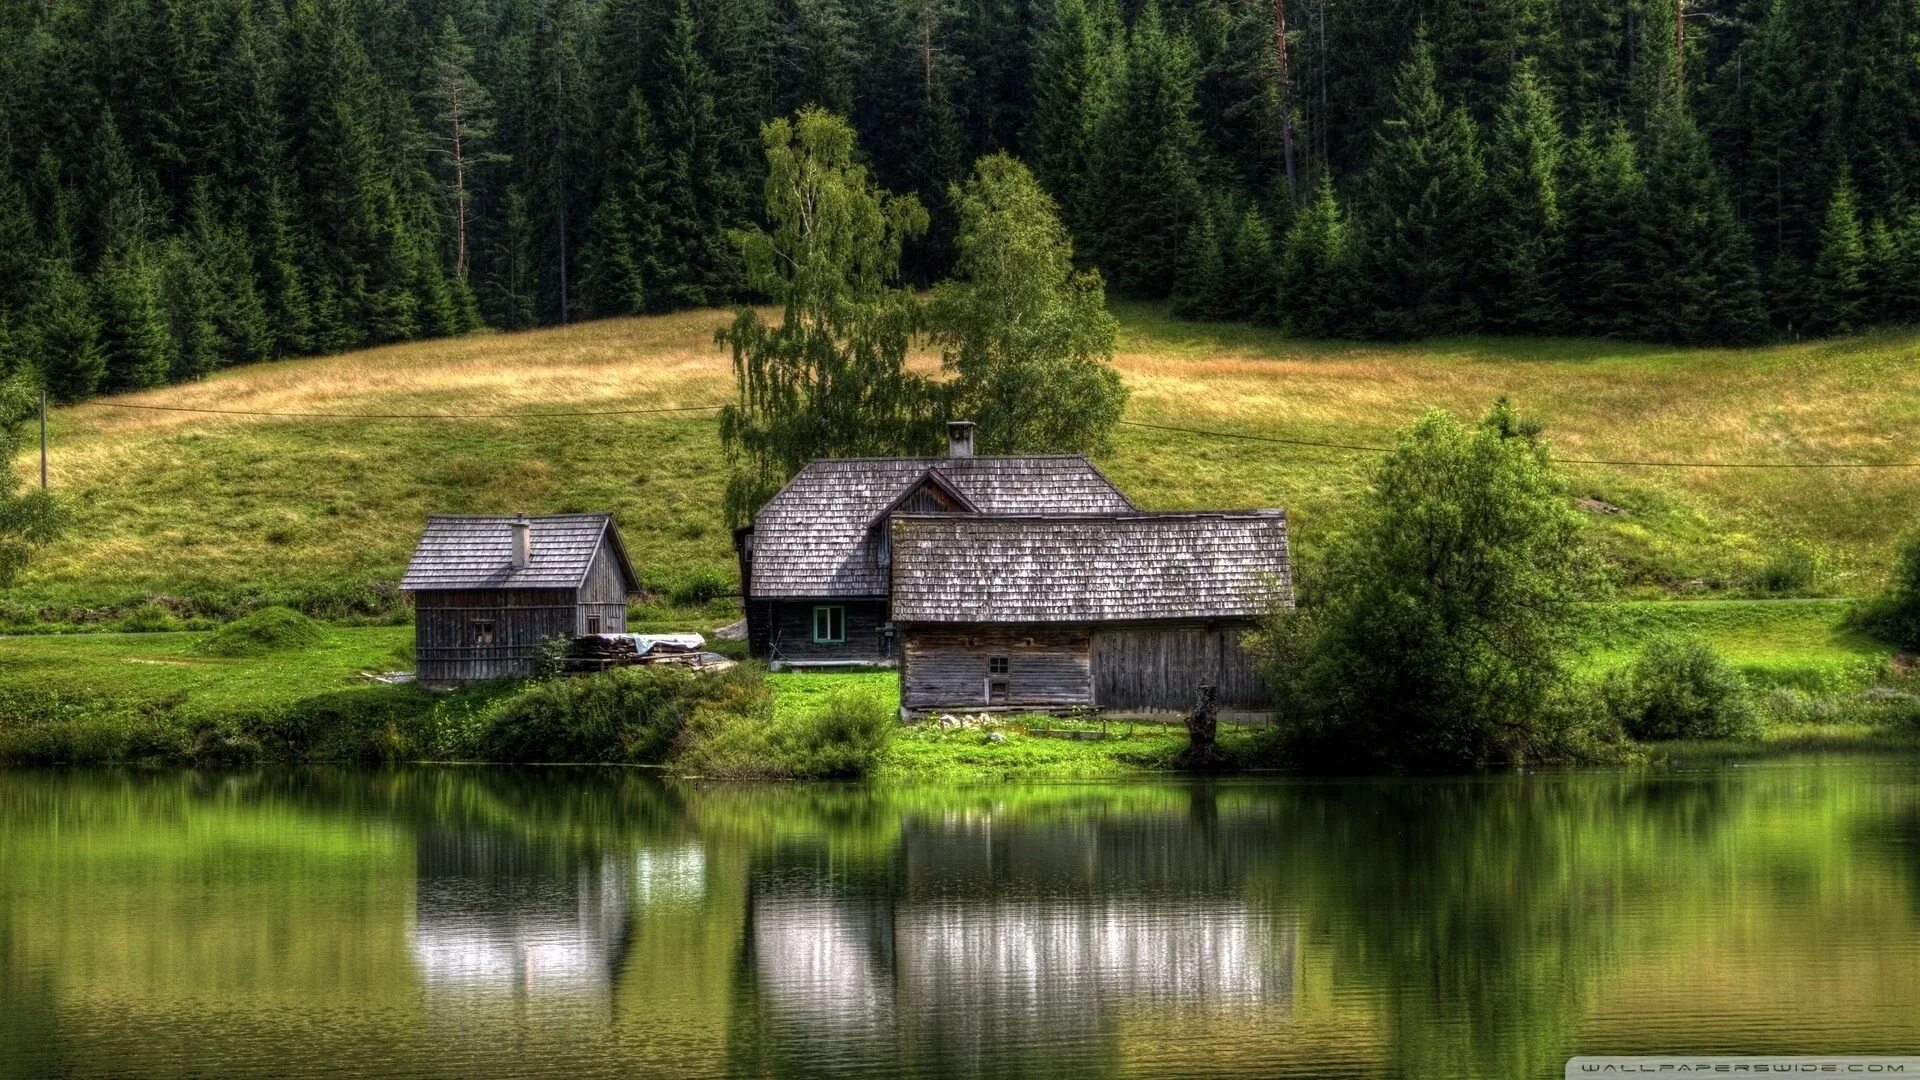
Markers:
468,922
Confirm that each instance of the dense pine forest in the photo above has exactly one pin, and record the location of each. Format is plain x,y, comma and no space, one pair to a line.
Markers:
187,184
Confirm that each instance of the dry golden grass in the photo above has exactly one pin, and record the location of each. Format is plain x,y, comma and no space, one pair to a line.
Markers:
179,502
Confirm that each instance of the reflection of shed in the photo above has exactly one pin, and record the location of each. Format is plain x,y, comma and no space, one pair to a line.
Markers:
488,591
492,914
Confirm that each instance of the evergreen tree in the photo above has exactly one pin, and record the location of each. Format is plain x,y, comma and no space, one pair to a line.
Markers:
1318,282
59,333
1200,290
1075,59
1609,253
136,340
1525,229
1840,273
1251,265
701,200
621,266
1423,191
1703,287
463,130
1150,177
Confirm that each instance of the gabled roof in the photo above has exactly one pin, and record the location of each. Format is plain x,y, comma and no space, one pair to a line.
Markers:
461,552
930,478
810,540
1100,568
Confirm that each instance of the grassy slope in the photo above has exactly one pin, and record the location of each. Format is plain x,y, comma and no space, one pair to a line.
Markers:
173,503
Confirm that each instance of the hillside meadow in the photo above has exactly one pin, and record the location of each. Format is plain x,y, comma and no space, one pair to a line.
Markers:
211,514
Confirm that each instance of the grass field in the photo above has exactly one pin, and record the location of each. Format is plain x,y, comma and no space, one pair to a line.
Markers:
218,513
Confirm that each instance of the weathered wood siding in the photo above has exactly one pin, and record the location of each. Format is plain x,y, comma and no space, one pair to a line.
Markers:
946,667
604,594
443,632
791,632
1158,667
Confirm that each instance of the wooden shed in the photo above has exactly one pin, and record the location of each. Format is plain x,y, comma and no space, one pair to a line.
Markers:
1119,612
488,591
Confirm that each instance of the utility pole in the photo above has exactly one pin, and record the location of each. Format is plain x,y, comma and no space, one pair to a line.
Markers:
43,437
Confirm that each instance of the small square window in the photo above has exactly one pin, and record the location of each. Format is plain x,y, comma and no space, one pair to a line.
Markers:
996,665
483,631
830,625
593,624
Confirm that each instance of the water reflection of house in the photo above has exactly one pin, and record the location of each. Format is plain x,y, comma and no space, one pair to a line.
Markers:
990,943
499,913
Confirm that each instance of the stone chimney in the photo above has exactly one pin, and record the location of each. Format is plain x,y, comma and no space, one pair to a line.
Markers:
959,438
522,542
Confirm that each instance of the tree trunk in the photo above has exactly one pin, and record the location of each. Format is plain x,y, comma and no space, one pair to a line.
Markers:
1286,90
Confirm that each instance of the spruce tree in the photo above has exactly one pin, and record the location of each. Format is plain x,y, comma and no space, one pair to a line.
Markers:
136,340
1252,268
621,265
1423,196
1200,290
1150,183
700,199
1609,253
1703,287
1075,59
462,133
1318,279
1840,272
59,333
1525,229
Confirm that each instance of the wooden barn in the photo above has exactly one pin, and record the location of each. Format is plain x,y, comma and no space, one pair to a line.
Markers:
1125,612
814,564
488,591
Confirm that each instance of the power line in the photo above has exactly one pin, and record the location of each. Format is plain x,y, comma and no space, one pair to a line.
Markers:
408,416
1558,460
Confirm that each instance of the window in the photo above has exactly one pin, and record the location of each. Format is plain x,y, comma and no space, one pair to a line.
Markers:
593,624
483,631
830,625
996,665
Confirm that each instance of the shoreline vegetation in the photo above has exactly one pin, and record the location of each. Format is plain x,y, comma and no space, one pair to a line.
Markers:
208,699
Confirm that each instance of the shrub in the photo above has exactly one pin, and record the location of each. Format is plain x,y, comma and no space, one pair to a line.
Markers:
843,739
624,715
701,587
273,629
1896,615
1791,570
1680,689
149,618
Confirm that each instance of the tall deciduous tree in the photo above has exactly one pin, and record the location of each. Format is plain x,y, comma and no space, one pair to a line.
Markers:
831,378
1025,337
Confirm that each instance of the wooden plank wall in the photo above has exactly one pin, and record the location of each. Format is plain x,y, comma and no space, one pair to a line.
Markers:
946,667
792,632
444,651
604,594
1159,667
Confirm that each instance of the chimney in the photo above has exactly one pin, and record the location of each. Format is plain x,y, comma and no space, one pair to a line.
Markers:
959,438
522,542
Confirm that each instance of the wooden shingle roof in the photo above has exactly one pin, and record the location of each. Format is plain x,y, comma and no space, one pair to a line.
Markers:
1105,568
462,552
811,540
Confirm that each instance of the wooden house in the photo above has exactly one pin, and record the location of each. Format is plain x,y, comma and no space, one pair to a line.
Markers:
815,563
1127,612
488,591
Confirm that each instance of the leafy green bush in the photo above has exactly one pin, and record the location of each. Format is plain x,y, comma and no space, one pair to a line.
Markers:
624,715
268,630
843,739
149,618
1679,688
1896,615
702,587
1793,569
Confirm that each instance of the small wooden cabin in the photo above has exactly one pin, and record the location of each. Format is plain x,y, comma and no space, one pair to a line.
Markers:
814,564
1118,612
488,591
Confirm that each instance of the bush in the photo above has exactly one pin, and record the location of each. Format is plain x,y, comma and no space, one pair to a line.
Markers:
149,618
625,715
268,630
1681,689
701,587
1791,570
1895,616
843,739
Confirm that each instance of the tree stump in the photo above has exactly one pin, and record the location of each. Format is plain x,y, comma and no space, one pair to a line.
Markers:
1203,723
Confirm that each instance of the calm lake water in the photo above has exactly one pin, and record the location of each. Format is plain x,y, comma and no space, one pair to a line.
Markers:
472,922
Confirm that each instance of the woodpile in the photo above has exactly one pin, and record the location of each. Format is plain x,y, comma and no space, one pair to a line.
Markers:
597,652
